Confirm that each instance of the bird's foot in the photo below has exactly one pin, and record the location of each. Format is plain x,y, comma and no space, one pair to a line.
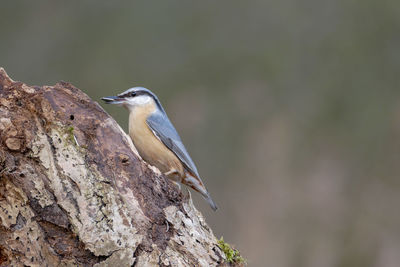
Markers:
177,184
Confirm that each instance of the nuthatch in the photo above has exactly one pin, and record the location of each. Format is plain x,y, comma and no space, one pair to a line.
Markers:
156,139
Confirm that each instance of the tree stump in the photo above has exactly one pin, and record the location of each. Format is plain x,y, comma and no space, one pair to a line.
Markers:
74,192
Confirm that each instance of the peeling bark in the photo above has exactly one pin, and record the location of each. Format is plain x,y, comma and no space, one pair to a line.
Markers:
73,190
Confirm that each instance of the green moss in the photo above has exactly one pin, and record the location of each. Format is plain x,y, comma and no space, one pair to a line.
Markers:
71,138
232,255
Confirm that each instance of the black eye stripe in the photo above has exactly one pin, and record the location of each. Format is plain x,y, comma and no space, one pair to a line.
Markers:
135,93
130,94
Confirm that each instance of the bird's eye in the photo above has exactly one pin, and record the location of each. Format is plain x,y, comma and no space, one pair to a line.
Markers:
132,94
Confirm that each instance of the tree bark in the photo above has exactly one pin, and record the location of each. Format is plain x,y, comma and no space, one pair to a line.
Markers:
74,192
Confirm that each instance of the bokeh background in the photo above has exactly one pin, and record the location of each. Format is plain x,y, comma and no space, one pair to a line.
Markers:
291,109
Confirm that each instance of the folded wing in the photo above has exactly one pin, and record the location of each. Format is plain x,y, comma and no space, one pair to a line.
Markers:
165,131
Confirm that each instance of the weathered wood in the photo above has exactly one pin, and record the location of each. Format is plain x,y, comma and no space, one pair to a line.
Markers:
73,190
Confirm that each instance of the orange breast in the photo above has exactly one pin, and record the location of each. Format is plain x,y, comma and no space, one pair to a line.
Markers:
150,148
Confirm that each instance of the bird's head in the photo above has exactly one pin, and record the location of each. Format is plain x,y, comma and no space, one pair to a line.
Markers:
133,97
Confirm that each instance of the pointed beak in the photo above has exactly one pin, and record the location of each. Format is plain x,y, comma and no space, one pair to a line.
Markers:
113,99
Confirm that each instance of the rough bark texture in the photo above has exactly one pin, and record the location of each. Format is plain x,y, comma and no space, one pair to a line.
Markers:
73,190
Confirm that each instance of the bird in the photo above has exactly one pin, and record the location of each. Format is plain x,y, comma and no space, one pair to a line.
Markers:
157,140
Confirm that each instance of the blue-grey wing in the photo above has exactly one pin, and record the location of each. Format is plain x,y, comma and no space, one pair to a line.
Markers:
165,131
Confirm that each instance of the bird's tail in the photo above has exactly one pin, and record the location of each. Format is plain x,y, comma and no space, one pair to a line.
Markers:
198,186
210,201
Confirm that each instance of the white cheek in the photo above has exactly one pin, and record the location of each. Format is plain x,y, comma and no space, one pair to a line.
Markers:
138,101
141,100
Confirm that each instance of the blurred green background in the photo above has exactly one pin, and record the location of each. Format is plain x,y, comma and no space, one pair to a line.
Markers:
290,109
